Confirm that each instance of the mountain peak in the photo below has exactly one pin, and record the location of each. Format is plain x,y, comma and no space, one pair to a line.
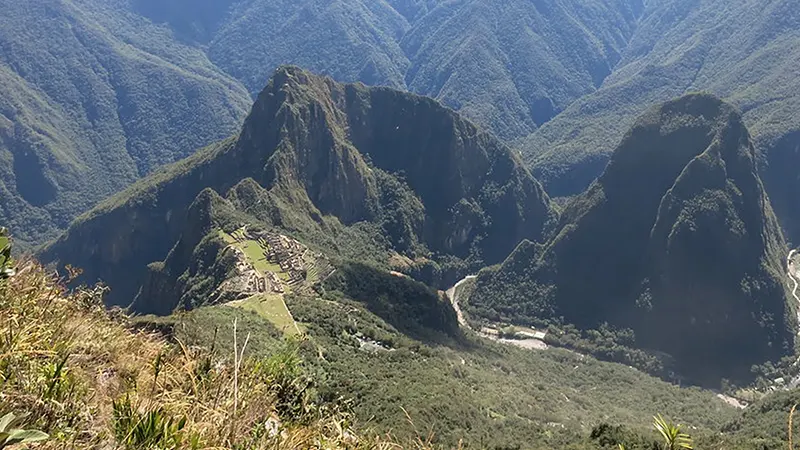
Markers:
675,240
363,173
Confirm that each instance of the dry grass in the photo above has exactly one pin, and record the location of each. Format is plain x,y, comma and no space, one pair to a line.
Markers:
65,360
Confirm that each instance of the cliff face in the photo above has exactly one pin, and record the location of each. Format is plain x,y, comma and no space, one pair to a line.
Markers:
676,240
362,172
782,180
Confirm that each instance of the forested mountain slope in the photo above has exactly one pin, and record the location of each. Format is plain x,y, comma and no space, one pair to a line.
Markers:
362,173
746,52
96,94
676,241
510,65
157,78
91,98
513,65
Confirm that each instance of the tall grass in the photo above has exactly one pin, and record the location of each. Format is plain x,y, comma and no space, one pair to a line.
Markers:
89,379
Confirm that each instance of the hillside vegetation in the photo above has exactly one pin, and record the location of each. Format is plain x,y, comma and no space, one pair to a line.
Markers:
139,83
510,65
89,379
459,388
96,94
676,241
91,98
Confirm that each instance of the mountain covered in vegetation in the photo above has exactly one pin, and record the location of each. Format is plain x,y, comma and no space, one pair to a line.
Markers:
745,53
564,80
175,383
372,174
676,241
510,65
91,98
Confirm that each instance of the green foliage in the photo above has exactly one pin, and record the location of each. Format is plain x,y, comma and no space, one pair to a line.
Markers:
149,429
6,263
487,394
609,344
289,383
408,305
12,434
673,437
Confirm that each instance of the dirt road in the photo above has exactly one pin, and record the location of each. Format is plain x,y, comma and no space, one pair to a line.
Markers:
452,294
794,273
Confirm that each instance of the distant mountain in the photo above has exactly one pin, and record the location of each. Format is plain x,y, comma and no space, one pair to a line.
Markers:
676,240
91,98
747,53
372,174
510,65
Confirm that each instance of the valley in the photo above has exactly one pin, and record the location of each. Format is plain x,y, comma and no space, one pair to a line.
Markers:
399,224
318,224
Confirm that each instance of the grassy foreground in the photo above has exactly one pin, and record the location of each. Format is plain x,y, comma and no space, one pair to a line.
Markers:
89,379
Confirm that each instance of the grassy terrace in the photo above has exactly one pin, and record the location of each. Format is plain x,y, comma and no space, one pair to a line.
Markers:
270,306
273,308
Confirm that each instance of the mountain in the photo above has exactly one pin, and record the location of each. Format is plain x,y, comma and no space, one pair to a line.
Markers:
743,52
370,174
513,65
91,98
105,92
509,65
676,240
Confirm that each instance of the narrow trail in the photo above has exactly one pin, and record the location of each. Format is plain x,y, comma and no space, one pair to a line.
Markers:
451,294
794,275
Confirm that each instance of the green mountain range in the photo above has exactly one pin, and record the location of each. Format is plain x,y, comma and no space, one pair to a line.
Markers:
744,53
101,93
400,155
91,98
676,240
510,65
362,173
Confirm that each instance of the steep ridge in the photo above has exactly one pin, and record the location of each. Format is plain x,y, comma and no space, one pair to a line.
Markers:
92,98
363,173
512,65
743,52
782,180
676,240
